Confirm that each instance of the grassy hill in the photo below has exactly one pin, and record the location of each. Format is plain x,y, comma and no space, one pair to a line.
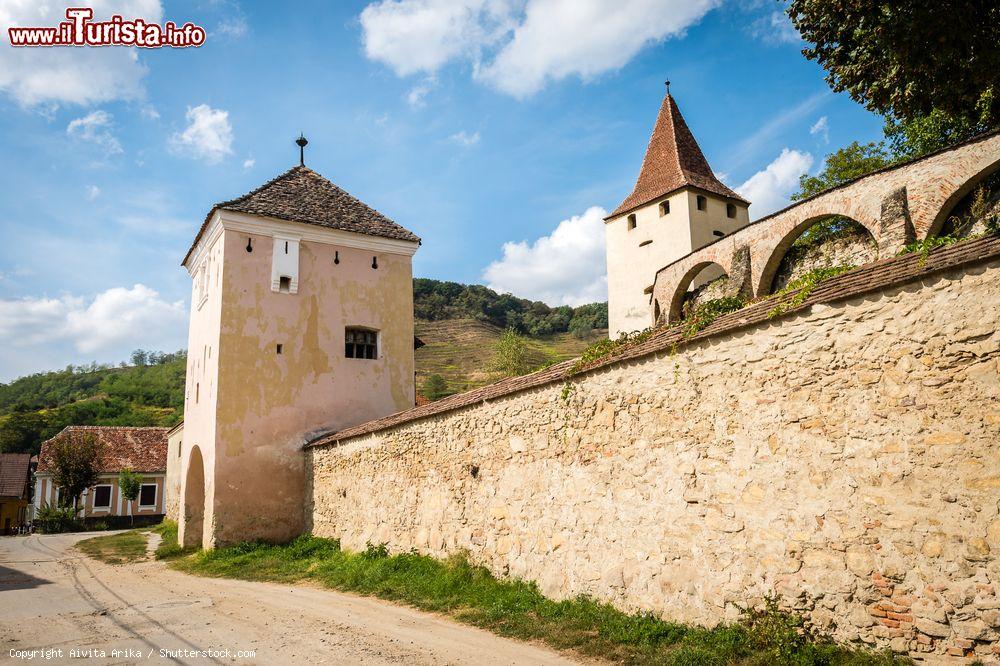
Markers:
459,349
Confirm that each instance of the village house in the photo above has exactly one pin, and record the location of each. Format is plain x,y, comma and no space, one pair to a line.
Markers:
143,450
15,475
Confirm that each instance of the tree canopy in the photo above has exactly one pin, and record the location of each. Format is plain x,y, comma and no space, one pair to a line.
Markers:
905,60
74,461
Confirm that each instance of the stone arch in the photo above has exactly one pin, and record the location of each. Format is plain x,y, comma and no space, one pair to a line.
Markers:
971,183
777,253
192,515
676,305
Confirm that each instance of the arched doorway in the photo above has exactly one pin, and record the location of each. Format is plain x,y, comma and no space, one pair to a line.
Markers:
193,514
704,281
969,210
825,241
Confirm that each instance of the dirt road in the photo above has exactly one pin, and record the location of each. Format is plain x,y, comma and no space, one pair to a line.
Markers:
54,597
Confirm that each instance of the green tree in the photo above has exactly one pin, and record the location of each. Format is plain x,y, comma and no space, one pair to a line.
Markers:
22,432
510,355
435,387
74,460
129,484
939,129
906,59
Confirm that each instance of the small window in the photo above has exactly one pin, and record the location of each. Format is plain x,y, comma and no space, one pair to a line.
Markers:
197,392
361,343
102,497
284,284
147,495
702,203
631,222
717,233
664,208
281,347
730,210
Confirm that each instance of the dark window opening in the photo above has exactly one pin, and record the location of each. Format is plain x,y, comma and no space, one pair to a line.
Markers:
336,256
631,222
374,262
702,203
147,494
730,210
645,243
249,245
286,247
280,347
718,233
102,497
361,343
664,208
197,392
284,284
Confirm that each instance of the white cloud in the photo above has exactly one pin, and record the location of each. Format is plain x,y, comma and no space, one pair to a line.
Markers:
233,27
464,138
561,38
149,112
769,190
95,128
93,191
208,135
422,35
564,268
248,163
775,28
116,319
415,97
821,128
518,46
38,76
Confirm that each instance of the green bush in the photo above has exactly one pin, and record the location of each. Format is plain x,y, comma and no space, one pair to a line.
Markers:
53,520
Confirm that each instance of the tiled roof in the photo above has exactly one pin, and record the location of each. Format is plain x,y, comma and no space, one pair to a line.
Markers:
673,160
302,195
140,449
876,276
14,474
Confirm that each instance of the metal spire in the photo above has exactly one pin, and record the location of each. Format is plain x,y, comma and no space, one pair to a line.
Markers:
301,142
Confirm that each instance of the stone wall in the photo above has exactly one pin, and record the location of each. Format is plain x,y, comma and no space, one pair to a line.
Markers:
846,459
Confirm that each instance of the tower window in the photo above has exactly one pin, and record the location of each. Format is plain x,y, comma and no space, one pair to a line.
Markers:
702,203
730,210
361,343
717,233
631,222
664,208
281,348
284,284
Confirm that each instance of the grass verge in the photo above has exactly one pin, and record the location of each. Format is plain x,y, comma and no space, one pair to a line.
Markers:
116,548
517,609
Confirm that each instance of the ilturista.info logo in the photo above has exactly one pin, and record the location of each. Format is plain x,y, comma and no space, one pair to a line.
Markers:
81,30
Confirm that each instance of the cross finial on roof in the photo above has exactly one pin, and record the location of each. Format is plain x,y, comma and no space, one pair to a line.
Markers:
301,142
667,84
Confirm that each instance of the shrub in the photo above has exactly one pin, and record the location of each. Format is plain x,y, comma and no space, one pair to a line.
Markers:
53,519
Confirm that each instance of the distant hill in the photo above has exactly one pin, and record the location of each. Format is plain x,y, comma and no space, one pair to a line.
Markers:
459,324
458,350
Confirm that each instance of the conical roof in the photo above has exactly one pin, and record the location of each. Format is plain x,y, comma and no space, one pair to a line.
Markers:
673,160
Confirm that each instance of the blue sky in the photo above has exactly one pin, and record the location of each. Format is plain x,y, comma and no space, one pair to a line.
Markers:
497,130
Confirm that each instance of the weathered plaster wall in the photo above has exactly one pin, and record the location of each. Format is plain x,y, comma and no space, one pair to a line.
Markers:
172,489
846,459
272,402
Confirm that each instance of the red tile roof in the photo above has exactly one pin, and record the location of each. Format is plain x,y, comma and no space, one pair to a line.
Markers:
140,449
883,274
673,160
302,195
14,474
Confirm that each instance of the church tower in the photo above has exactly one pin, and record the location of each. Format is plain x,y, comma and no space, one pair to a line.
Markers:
676,207
301,322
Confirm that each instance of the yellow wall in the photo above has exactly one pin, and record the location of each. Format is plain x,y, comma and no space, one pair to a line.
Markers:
258,407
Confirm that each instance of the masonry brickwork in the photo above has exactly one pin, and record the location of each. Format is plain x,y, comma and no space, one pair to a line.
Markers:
845,457
896,205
